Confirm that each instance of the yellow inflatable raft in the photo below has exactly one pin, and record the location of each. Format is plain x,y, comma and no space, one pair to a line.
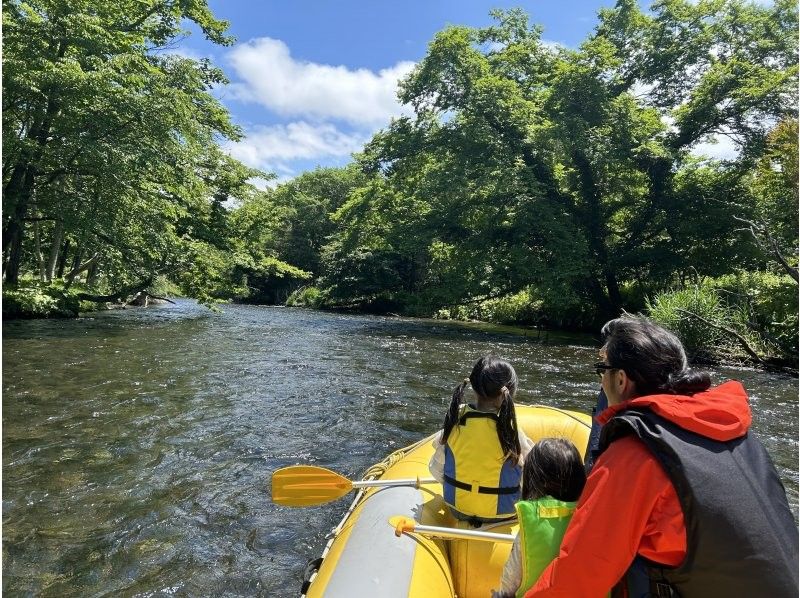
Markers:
385,547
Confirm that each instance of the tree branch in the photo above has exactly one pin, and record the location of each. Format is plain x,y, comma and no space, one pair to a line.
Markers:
742,341
756,230
161,298
131,289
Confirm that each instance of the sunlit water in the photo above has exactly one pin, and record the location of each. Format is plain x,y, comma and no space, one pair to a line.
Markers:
138,444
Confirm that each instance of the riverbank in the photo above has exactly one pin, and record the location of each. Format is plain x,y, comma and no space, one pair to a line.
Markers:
33,300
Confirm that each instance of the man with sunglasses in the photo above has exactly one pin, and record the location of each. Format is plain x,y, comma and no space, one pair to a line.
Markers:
682,500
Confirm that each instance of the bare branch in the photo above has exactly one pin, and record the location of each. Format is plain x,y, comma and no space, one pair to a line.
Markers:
762,229
742,341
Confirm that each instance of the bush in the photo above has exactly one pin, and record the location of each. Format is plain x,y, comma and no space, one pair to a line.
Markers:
306,297
760,307
529,306
700,340
164,287
765,305
33,299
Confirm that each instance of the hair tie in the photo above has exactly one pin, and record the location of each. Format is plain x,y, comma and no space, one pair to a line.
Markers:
505,392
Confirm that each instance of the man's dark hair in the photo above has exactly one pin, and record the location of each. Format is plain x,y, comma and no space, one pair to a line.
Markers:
651,356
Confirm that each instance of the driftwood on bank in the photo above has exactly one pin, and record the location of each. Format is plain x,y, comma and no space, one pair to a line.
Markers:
742,341
142,299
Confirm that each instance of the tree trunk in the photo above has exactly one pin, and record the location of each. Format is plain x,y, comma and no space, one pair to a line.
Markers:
79,268
62,260
614,295
73,270
12,190
37,245
93,274
55,247
123,292
608,300
16,226
20,186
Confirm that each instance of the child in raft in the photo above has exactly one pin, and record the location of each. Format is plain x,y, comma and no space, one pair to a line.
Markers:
480,451
552,480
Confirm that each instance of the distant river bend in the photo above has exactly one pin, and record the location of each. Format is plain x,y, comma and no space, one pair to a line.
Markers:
138,444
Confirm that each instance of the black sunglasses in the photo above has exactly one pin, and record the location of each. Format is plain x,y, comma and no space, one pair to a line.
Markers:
601,367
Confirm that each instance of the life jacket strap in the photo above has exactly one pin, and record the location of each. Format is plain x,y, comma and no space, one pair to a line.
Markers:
481,489
660,589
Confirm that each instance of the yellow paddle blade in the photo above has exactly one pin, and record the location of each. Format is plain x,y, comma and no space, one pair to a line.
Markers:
307,485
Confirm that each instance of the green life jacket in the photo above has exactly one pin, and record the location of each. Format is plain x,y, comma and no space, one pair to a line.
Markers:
542,524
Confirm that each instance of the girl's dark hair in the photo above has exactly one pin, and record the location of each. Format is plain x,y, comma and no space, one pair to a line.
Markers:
651,356
491,377
553,468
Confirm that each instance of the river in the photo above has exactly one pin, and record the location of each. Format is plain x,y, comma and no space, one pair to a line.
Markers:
138,444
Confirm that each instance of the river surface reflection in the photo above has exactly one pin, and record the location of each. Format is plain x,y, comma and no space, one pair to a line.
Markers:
138,444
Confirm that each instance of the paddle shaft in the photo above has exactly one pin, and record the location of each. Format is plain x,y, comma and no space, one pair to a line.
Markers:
408,526
415,482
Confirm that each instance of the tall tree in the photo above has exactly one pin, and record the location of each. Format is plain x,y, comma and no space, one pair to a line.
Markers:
570,170
110,139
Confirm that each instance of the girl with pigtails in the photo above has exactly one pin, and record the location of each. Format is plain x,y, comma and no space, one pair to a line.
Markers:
480,451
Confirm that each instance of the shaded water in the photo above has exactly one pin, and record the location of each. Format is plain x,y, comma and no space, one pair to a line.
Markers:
138,445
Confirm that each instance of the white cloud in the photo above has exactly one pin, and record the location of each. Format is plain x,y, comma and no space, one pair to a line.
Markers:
271,77
717,147
553,45
270,147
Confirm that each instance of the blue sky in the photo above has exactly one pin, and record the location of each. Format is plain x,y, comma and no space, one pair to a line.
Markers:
312,80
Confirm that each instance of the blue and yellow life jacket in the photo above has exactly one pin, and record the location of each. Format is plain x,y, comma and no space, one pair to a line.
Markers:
479,480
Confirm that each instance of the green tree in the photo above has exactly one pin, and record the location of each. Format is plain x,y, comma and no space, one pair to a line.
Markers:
570,170
306,204
774,185
111,143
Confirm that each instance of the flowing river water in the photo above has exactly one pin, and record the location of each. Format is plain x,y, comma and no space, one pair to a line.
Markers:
138,444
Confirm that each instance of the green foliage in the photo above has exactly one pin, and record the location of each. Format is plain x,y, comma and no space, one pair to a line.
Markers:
278,236
34,299
311,297
112,145
532,184
28,302
532,167
164,287
669,309
759,307
764,306
774,187
519,308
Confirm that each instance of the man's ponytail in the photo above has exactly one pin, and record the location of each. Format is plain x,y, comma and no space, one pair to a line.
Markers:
687,382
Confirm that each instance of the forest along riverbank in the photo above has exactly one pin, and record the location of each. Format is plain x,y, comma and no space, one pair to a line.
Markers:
138,444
